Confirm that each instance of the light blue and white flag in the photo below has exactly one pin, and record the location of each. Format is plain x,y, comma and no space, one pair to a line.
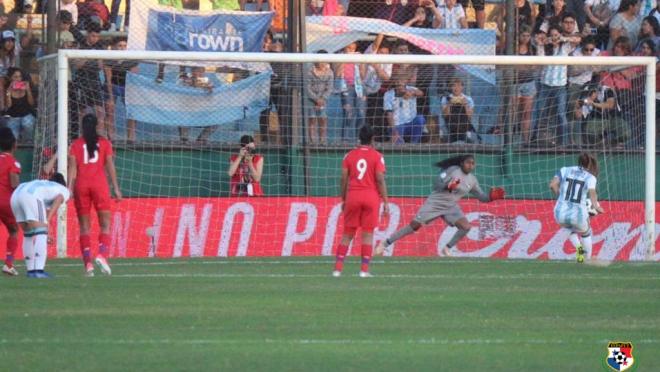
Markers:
332,33
169,103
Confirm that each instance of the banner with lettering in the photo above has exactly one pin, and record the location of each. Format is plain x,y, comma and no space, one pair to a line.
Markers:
298,226
156,27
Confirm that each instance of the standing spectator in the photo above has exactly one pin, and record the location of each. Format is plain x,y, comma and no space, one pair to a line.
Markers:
115,77
348,81
114,13
278,100
554,15
578,79
319,88
87,79
457,110
377,76
626,22
90,159
424,16
71,7
479,12
362,186
650,30
400,105
655,12
525,84
10,52
452,16
553,92
599,13
19,105
397,11
197,79
10,169
34,203
245,170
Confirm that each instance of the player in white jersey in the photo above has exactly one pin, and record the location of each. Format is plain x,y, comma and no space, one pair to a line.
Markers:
453,183
34,203
573,186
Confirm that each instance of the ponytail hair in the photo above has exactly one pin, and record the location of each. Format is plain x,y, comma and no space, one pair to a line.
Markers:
456,160
588,162
89,123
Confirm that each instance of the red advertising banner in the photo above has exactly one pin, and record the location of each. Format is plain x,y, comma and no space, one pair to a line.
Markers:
303,226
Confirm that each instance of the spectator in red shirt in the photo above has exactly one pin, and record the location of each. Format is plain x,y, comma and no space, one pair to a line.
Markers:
245,170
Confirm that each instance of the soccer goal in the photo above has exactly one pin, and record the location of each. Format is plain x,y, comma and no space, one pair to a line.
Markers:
177,121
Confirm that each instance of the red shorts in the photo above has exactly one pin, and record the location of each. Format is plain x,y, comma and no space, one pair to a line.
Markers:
361,210
6,215
86,195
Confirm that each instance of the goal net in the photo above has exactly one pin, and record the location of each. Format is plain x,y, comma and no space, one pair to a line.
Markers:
177,121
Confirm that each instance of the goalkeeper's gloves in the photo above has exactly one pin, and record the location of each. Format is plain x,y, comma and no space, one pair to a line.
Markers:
496,193
453,184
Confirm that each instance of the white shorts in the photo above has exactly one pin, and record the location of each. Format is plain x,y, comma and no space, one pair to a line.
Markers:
26,207
576,219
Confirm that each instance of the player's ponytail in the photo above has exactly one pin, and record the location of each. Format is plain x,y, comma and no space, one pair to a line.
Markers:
588,162
89,123
453,161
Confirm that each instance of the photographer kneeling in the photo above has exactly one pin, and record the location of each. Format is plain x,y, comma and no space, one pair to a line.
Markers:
245,169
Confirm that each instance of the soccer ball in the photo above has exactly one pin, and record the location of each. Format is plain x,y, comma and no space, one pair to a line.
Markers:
619,357
590,208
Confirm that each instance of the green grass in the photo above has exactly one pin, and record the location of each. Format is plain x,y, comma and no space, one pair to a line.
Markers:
290,315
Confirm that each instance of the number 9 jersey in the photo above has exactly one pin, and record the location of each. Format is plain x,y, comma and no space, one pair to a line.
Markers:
571,207
362,205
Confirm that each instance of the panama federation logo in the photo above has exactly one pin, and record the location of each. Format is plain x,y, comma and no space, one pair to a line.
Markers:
619,356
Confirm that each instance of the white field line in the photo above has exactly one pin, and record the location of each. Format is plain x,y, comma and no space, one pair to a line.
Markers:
392,276
266,341
252,261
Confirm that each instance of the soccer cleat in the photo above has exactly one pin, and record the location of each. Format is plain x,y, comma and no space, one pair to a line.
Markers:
42,275
89,269
365,274
11,271
336,273
446,251
380,248
102,263
579,254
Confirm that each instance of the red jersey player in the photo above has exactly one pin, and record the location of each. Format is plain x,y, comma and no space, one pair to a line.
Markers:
90,157
9,179
362,186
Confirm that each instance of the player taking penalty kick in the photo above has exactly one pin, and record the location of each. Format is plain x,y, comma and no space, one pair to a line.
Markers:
362,186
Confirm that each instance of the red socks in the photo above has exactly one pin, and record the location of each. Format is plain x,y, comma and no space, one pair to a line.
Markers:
12,244
85,243
367,251
104,244
341,254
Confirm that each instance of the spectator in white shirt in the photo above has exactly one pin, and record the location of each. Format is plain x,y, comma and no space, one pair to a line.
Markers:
400,105
453,16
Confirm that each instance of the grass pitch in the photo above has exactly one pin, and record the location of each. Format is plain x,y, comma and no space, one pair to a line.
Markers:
291,315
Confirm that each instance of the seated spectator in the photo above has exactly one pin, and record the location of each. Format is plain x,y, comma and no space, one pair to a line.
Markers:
9,56
71,7
650,31
400,105
452,16
457,110
245,170
599,112
20,105
197,79
319,83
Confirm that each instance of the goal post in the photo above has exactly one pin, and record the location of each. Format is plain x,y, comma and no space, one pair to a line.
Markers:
489,64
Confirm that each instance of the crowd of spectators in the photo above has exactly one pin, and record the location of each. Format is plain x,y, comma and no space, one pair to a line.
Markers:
553,105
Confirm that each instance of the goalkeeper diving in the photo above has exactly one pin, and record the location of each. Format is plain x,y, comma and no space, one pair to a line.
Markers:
456,180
